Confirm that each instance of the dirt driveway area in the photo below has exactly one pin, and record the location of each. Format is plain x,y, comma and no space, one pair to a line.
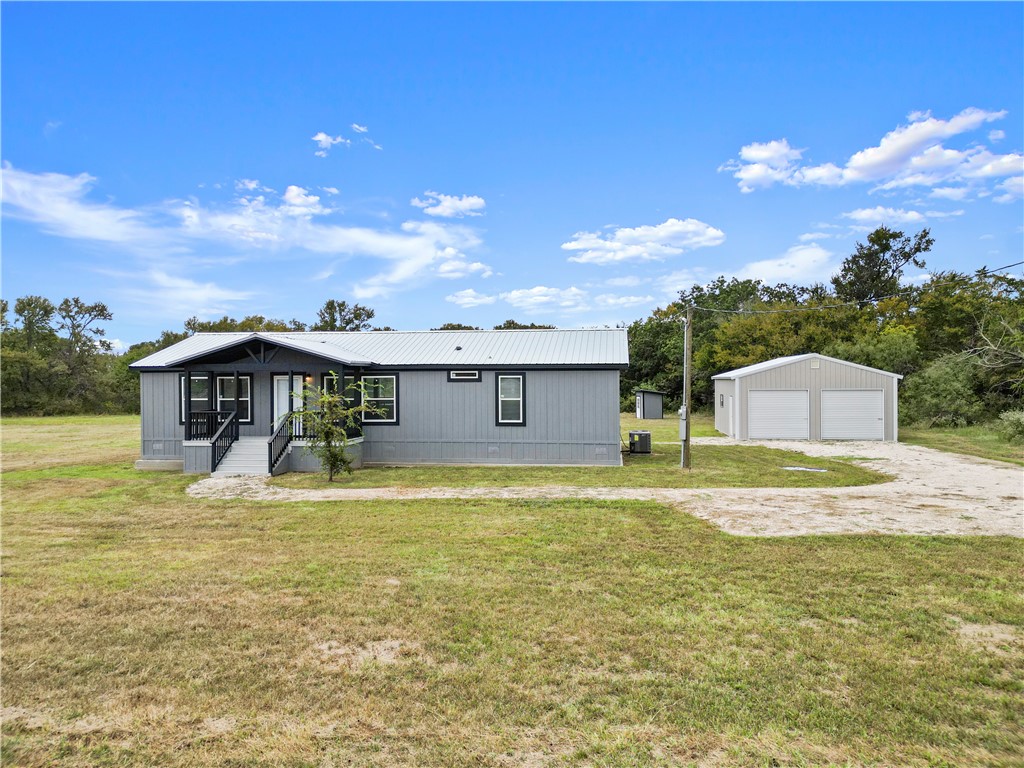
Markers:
932,493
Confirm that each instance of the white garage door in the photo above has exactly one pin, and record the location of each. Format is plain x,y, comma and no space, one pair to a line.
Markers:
852,414
777,414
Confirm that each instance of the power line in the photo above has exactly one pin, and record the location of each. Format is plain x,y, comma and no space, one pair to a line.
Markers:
980,273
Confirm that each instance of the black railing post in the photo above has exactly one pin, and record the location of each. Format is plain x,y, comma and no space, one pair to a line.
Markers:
188,405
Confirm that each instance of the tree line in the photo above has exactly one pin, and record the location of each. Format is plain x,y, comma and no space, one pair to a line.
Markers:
958,338
57,360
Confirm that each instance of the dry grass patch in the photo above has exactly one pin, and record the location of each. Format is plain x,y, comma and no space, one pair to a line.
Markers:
31,442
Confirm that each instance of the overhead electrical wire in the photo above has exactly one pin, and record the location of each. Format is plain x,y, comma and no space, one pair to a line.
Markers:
980,273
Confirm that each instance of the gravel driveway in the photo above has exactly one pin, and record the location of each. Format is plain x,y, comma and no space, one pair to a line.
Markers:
932,493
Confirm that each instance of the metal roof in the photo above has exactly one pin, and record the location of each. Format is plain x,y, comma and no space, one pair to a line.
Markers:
598,347
767,365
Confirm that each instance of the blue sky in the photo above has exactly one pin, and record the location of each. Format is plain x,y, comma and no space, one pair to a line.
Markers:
572,164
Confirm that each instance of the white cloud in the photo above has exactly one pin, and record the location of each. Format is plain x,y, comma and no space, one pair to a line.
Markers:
330,190
810,237
882,215
544,299
909,155
1013,189
800,264
325,141
458,267
51,126
57,203
609,301
184,296
470,298
987,237
117,346
372,143
949,193
996,135
645,243
450,206
359,128
248,185
296,221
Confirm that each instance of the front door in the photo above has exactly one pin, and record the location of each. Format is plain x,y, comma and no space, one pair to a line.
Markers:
286,396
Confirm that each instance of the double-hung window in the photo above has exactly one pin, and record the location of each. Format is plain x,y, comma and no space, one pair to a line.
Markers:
382,398
511,399
226,396
200,394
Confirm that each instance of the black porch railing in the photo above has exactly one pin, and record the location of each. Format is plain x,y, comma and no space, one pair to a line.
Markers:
204,424
279,441
223,439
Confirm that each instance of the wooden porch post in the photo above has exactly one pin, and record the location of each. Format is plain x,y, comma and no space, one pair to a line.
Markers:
236,395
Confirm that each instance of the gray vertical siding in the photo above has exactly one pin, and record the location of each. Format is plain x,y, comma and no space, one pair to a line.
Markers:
831,375
161,432
572,417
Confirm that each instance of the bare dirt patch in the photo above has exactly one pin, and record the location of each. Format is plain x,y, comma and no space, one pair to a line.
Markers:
932,493
335,654
988,637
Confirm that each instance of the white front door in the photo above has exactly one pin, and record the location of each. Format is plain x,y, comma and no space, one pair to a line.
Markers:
286,397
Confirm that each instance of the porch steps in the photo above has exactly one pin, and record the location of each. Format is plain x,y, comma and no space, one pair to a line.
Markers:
247,456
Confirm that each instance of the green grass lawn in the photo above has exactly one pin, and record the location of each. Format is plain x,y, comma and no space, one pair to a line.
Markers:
978,440
142,627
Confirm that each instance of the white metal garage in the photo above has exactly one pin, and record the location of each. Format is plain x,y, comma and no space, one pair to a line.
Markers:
778,414
852,414
807,397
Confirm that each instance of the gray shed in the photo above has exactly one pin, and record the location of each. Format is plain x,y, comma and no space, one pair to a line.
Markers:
807,397
650,404
224,401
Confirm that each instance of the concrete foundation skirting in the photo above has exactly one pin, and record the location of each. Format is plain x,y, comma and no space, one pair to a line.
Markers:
161,465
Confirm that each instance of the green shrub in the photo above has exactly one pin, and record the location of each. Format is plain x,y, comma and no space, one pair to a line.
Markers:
944,394
1011,426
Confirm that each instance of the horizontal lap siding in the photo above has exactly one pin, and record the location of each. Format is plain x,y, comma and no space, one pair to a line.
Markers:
571,418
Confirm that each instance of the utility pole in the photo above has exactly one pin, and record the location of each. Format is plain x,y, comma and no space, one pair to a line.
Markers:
687,343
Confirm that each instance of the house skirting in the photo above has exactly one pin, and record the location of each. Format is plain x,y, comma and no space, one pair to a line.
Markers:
161,465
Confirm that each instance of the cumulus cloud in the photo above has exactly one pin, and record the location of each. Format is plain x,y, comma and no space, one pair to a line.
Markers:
541,298
909,155
799,264
325,141
949,193
458,267
330,190
646,243
611,301
469,298
1012,189
450,206
996,135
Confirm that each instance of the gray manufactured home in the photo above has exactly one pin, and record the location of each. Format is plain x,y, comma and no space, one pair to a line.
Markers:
226,401
807,397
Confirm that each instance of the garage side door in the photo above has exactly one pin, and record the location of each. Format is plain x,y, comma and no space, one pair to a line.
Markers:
852,414
777,414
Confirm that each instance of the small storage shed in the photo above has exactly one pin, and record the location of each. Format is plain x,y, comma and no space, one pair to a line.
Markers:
807,397
650,404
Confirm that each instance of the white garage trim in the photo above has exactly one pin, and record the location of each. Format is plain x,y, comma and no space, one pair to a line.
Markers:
852,414
778,414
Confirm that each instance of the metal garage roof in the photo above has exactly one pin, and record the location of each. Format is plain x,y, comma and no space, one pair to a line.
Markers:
739,373
577,348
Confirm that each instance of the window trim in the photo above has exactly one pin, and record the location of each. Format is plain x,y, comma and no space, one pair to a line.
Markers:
231,377
473,377
181,393
498,376
369,418
351,378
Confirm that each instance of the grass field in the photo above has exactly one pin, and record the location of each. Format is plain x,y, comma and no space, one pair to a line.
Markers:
978,440
145,628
